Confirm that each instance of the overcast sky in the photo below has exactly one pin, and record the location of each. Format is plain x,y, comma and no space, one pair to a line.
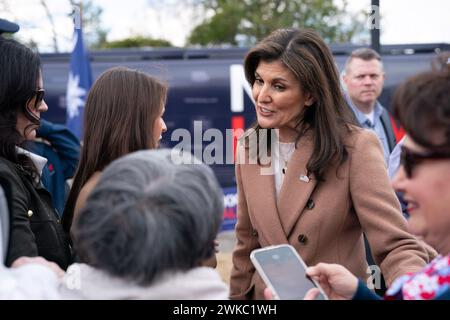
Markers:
403,21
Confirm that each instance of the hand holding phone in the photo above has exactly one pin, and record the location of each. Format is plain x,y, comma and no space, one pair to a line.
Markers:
284,272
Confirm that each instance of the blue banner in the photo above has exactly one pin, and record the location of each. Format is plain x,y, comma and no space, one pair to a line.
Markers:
80,80
230,209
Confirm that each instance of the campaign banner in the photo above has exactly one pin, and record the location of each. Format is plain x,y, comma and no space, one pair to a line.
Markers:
230,209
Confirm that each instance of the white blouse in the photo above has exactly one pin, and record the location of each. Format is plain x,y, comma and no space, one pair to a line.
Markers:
281,157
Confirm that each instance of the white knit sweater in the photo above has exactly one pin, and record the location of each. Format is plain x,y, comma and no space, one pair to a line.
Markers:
85,282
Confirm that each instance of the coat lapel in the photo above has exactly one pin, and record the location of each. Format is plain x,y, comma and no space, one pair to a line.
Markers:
295,190
263,211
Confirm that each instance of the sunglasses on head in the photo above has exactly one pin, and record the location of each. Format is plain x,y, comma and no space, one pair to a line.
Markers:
409,159
38,96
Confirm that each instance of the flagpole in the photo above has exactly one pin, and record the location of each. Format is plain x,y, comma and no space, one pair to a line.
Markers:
80,79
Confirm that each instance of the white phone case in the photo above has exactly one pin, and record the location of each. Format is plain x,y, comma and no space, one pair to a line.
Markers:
265,277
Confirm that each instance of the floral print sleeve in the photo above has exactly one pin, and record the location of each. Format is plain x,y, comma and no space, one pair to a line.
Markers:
427,284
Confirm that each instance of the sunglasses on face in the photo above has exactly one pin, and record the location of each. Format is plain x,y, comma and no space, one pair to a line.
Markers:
38,98
410,159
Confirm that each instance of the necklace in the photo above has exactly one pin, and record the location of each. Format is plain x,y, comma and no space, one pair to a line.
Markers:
286,150
284,168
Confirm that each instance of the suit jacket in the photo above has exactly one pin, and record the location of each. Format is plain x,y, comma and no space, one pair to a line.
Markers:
324,222
35,229
387,125
385,119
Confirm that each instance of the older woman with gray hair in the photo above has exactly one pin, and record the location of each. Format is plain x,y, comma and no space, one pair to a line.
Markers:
146,228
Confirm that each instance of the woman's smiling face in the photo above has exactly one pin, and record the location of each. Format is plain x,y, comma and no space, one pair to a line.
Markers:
279,98
427,193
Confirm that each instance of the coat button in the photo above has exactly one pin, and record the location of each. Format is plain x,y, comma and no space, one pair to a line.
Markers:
255,233
302,239
29,213
310,204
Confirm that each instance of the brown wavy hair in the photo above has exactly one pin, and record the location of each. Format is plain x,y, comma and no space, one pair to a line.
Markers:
422,105
307,56
119,117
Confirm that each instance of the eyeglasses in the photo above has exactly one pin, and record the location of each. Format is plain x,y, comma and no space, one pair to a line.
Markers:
409,159
39,97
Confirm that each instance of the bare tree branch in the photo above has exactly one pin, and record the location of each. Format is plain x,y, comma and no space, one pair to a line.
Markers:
52,23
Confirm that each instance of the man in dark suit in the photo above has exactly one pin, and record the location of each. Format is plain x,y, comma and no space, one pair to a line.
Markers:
364,79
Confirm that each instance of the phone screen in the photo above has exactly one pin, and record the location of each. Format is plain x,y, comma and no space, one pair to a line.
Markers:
285,272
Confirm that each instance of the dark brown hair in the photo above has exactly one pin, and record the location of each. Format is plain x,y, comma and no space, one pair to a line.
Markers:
307,56
119,117
422,105
20,69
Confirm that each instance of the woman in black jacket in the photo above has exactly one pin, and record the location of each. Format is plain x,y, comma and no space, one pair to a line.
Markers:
35,227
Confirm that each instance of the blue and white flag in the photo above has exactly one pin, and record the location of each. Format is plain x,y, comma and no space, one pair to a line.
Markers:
80,80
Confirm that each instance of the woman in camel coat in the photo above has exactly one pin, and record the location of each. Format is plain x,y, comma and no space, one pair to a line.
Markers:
323,181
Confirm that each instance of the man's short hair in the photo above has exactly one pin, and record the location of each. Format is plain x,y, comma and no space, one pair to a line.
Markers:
365,54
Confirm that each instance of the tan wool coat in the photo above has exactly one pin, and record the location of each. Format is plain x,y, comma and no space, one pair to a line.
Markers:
324,221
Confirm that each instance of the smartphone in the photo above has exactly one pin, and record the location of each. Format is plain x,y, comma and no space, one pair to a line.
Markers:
284,272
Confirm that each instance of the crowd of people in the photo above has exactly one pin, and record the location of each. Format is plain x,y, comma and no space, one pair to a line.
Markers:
140,222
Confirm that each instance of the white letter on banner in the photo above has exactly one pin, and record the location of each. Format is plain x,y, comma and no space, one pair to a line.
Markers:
237,83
